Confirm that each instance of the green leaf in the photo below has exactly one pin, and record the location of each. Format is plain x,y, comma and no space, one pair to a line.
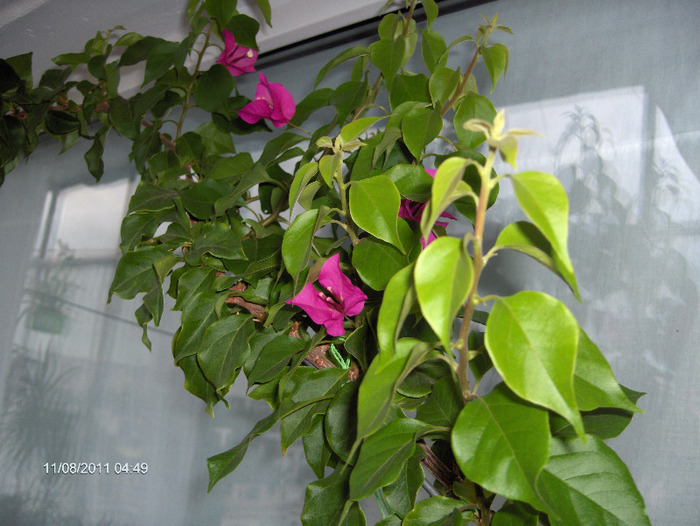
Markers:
383,456
594,381
135,272
199,313
533,335
431,10
224,349
388,55
401,494
419,128
160,59
296,245
443,276
412,181
213,88
544,201
525,237
141,224
135,53
326,503
273,357
502,443
496,61
152,198
264,6
191,282
302,399
354,129
316,450
301,179
347,98
444,404
434,511
413,88
197,384
340,424
218,240
225,463
216,142
448,186
347,54
443,84
93,157
383,376
377,262
473,106
61,122
374,206
123,118
433,49
586,483
245,28
515,514
221,10
399,298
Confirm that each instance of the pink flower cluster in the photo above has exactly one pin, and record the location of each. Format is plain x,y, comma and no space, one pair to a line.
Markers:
272,100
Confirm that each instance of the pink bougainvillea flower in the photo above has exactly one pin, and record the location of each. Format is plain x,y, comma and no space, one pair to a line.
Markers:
237,59
272,101
413,210
329,308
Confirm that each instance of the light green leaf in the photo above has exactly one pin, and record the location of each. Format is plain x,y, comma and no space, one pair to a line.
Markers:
496,61
224,349
296,245
378,385
374,206
387,55
431,10
544,201
376,262
443,84
433,48
594,381
502,444
525,237
354,129
533,335
586,483
383,456
419,128
447,188
443,277
399,298
301,179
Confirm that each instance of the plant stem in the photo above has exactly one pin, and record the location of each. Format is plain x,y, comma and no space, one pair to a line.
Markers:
190,87
460,88
470,305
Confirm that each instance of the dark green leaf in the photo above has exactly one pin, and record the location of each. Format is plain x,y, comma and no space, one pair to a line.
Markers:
444,404
401,494
410,88
61,122
135,272
383,456
160,59
420,127
347,54
199,313
326,503
213,87
221,10
273,357
224,463
245,29
224,349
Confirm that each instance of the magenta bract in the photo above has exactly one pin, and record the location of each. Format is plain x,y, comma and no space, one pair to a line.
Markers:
272,101
237,59
330,308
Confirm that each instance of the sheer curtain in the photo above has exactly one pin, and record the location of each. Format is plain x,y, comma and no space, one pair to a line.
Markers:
612,87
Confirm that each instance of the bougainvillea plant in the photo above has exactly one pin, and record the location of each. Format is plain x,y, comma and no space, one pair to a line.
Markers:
322,269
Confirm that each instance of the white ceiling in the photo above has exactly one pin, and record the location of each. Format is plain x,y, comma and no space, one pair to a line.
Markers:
51,27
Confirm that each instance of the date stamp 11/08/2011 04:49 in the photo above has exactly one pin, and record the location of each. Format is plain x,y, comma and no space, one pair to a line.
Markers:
96,468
